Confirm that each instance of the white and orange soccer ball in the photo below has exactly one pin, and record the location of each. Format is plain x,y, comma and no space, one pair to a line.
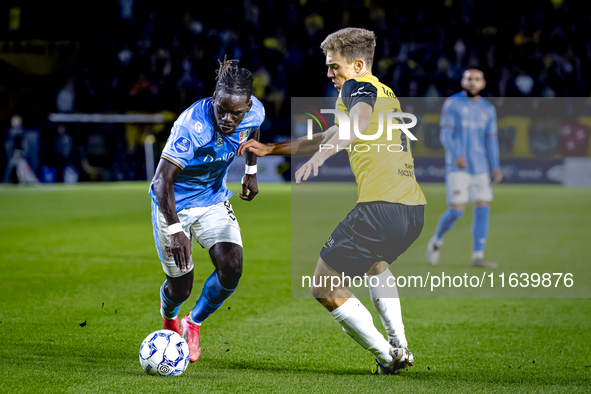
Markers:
164,353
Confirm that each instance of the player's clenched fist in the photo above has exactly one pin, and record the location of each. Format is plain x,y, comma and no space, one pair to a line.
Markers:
250,187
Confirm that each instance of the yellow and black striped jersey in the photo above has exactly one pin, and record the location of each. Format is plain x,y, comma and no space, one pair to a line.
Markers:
384,169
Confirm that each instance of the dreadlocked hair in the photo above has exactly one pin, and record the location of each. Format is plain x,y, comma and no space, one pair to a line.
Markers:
232,79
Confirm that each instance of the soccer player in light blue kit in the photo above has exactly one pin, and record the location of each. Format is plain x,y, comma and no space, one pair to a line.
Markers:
190,198
469,136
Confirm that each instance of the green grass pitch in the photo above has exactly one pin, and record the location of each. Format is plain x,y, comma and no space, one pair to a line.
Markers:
85,254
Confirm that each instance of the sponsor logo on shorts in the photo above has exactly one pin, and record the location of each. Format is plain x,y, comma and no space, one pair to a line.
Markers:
168,252
230,211
330,241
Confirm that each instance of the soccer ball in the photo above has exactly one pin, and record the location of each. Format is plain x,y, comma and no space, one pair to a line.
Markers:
164,353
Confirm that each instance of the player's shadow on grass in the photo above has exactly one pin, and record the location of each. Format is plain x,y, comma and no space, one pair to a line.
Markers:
287,367
421,373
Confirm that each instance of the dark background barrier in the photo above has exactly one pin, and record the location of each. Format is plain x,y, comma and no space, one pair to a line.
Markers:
159,57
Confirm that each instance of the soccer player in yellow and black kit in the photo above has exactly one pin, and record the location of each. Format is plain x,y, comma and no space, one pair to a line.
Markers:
388,216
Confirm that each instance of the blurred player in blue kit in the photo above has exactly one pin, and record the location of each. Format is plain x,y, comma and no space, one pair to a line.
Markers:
190,198
469,136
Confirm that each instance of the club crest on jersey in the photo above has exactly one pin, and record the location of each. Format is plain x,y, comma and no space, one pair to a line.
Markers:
220,142
244,135
483,114
182,145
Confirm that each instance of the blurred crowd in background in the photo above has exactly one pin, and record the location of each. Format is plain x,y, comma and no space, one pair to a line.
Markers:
147,57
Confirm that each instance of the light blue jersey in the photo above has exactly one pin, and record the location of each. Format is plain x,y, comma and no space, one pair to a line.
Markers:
204,154
469,129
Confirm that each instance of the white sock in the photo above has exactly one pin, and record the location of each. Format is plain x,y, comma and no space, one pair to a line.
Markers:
358,323
384,298
436,241
478,255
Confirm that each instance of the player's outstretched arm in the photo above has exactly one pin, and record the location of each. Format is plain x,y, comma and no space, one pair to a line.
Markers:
362,111
250,186
164,189
298,147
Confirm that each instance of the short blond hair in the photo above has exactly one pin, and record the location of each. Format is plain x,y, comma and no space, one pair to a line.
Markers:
351,43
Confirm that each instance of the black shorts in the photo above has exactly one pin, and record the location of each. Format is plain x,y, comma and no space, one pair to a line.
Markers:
372,232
